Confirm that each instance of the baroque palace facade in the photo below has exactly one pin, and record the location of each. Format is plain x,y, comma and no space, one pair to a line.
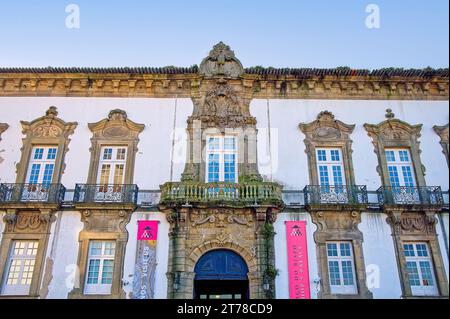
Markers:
223,182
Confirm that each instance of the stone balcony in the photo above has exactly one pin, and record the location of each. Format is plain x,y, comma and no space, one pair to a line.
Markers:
221,194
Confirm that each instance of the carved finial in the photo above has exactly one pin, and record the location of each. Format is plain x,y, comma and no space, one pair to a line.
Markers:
325,116
389,114
52,111
221,61
117,115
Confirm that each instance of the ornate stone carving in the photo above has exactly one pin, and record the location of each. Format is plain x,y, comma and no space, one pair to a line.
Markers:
105,220
221,61
117,129
28,221
326,131
221,218
443,133
195,231
396,133
412,223
223,108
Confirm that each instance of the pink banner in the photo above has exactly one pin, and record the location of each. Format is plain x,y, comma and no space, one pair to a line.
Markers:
147,230
299,287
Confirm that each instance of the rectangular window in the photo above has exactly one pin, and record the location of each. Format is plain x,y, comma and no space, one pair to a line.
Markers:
221,154
341,268
41,165
330,167
400,168
100,268
112,165
420,269
20,268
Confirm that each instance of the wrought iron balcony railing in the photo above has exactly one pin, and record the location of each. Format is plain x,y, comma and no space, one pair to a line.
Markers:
222,192
333,195
24,193
118,194
405,195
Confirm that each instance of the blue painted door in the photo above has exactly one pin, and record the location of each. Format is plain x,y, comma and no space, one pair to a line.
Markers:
221,264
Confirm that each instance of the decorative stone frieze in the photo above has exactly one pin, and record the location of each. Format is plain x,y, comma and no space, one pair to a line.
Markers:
263,83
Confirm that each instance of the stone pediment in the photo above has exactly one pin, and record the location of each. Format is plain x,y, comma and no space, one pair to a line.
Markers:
117,125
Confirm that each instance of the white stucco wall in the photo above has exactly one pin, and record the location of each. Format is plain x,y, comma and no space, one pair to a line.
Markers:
63,249
287,164
290,166
379,256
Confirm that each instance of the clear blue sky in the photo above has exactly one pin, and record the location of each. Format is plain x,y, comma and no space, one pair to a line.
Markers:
279,33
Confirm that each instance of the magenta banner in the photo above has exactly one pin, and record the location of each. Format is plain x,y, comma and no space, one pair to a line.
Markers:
147,230
299,287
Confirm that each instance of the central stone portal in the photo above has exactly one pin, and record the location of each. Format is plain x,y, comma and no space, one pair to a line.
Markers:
210,214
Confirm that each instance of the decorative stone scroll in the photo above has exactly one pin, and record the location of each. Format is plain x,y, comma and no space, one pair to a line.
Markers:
443,133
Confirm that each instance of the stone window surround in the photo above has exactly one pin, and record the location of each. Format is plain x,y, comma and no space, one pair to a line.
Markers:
246,145
417,227
49,131
394,133
112,228
326,132
116,130
443,133
26,225
329,228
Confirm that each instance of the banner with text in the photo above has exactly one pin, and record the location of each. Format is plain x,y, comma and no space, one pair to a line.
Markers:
299,287
144,275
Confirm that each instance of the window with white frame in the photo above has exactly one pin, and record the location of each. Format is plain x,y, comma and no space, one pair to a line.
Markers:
400,167
420,269
341,268
112,165
41,165
20,268
100,267
330,167
221,156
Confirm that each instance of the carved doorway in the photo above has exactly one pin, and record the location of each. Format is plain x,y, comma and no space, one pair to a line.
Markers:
221,274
